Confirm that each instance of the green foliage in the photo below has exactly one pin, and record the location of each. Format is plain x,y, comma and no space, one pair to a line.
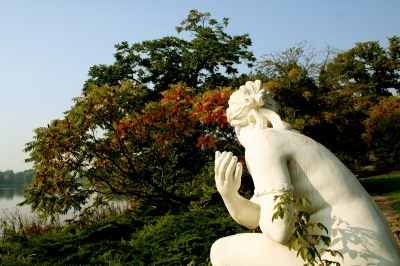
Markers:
327,94
148,237
298,79
292,78
369,69
121,138
387,185
303,241
395,198
381,184
358,79
127,239
114,143
386,145
197,62
383,133
157,145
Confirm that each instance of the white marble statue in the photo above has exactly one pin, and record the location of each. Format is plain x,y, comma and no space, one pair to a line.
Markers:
281,160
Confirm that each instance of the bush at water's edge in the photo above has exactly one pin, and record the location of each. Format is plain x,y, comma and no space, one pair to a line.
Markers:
143,238
126,239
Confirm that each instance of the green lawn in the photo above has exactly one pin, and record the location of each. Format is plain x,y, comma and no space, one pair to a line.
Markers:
386,184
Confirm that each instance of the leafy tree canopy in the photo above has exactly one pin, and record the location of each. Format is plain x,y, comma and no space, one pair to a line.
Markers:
368,69
198,62
154,145
154,152
157,145
327,94
383,133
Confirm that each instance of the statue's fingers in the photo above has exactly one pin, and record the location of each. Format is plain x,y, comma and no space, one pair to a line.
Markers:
238,172
231,168
217,154
218,159
224,164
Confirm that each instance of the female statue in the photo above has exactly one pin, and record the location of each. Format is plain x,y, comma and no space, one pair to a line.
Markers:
281,160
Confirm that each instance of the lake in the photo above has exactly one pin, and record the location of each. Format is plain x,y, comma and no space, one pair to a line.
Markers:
11,195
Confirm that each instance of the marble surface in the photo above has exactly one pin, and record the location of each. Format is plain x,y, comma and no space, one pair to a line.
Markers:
281,160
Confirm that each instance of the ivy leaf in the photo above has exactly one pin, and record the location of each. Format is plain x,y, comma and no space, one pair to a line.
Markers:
303,202
326,240
322,227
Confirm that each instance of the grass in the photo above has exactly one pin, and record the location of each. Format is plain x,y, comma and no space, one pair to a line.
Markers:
26,225
384,184
395,197
387,185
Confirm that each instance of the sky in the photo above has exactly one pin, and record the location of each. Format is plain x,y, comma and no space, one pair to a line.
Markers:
48,46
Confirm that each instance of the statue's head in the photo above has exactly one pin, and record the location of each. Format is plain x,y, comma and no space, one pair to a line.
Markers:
252,105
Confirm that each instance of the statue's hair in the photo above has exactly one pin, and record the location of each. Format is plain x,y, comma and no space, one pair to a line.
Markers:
253,105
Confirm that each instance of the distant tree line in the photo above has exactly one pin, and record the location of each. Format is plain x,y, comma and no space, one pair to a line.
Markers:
9,177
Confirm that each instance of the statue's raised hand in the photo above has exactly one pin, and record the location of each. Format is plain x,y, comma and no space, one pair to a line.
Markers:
228,173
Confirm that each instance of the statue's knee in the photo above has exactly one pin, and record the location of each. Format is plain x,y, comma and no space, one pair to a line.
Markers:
217,252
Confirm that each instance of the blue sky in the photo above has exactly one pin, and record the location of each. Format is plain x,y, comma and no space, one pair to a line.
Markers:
47,47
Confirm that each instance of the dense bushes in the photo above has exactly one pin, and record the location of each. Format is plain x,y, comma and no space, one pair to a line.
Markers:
128,239
383,133
386,145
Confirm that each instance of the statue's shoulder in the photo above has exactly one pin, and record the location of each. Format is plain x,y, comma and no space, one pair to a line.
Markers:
269,138
280,139
275,135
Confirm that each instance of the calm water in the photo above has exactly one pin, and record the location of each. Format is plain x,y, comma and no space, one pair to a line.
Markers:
11,195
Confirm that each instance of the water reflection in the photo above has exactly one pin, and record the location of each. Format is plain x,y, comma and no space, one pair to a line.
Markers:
11,195
7,192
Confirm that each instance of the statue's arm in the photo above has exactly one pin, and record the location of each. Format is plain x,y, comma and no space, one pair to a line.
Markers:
228,173
268,167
